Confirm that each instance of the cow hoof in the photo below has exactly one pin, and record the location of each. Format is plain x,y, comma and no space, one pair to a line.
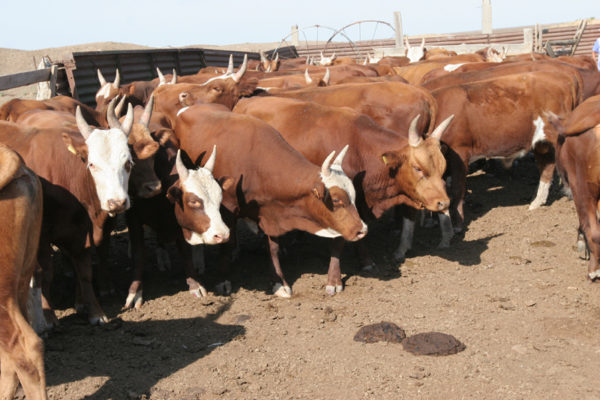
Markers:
134,300
582,250
332,290
368,268
400,255
282,291
200,292
534,206
444,244
594,275
98,320
223,288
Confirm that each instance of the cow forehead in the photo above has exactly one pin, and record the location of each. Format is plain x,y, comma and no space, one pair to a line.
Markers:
110,145
428,155
338,178
202,183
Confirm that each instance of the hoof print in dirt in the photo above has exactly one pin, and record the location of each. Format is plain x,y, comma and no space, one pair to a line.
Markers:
381,332
433,344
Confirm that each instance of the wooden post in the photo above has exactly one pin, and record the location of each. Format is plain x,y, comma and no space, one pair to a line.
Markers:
53,75
399,32
486,18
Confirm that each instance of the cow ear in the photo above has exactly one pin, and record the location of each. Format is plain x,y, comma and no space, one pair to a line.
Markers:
78,149
145,149
226,182
319,192
175,194
164,135
391,159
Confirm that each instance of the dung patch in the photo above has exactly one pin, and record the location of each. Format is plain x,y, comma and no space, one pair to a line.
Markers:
381,332
433,344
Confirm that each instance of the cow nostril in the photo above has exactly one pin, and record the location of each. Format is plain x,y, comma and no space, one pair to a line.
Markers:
153,186
442,205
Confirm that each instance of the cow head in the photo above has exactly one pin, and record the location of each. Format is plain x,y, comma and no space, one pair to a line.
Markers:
267,65
108,158
143,179
415,53
327,60
333,202
197,197
322,82
418,168
107,91
163,81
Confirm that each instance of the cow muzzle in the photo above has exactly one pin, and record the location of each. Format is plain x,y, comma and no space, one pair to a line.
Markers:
116,206
150,189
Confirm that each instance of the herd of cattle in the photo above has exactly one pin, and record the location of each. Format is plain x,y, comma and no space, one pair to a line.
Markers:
284,145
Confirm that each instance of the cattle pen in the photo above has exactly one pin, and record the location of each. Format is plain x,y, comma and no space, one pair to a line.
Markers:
511,287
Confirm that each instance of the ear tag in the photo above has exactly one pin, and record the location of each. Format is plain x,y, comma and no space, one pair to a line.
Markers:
385,160
72,149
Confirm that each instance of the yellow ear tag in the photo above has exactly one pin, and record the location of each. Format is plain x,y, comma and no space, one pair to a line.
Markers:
72,149
385,161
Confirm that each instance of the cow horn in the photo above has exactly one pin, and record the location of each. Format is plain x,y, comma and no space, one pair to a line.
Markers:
307,60
414,139
117,81
210,164
238,75
128,122
161,77
119,106
406,43
113,121
307,77
366,58
340,158
276,57
101,78
333,56
10,165
504,51
174,78
83,126
145,118
326,77
423,43
268,68
262,56
182,171
230,65
441,128
326,167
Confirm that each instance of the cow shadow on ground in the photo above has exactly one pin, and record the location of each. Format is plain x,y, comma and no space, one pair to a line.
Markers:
136,354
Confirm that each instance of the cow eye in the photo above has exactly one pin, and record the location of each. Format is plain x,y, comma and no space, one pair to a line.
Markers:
195,203
92,167
417,169
128,165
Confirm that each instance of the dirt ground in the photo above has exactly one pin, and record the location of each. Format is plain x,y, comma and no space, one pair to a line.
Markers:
511,289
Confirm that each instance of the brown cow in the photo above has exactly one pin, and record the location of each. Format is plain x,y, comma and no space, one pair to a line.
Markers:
84,173
578,162
269,182
388,169
502,118
21,350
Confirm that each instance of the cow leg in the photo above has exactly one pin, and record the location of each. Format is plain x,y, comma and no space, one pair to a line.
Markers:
191,277
105,286
446,228
136,243
22,355
408,230
83,266
334,274
44,276
582,248
281,288
458,179
545,162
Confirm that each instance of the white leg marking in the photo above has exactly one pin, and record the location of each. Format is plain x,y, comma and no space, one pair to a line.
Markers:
447,230
542,195
594,275
200,292
539,135
134,300
282,291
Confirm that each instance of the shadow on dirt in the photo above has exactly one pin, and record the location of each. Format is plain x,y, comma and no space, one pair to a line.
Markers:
135,355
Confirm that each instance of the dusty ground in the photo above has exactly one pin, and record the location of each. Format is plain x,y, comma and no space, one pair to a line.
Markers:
512,290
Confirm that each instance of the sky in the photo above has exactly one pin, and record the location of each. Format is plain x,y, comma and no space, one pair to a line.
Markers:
31,25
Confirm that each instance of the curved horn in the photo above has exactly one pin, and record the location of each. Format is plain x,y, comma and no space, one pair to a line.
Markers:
161,77
326,77
101,78
238,75
145,118
326,167
406,43
423,43
365,62
414,139
340,157
230,65
263,58
83,126
117,81
210,164
268,68
119,106
307,77
276,57
441,128
113,121
307,60
333,56
10,165
182,171
174,78
128,122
